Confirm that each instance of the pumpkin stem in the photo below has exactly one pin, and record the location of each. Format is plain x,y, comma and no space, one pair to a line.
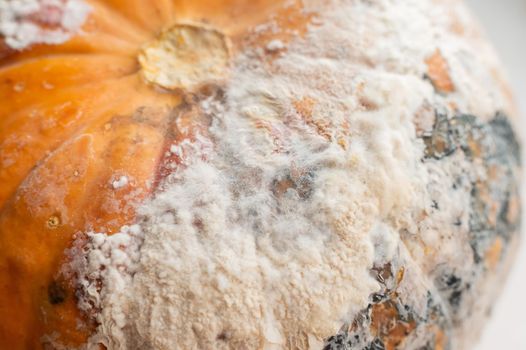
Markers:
186,56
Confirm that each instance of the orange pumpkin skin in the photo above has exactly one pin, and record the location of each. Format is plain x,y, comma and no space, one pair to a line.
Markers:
79,113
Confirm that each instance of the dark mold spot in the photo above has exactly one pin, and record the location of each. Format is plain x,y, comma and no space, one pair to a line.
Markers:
449,281
223,336
452,287
453,281
376,344
455,298
56,293
338,342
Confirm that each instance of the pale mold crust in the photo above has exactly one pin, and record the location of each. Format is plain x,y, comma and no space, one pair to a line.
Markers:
341,180
27,22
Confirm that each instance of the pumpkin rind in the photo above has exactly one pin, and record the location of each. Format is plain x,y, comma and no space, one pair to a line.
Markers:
88,135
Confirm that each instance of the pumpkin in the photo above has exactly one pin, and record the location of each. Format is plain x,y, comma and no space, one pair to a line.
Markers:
379,135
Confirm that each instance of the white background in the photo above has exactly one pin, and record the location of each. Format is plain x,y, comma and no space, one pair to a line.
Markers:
505,24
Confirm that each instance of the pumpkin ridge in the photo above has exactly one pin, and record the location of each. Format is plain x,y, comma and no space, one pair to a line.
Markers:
18,63
101,117
140,21
88,43
63,92
126,48
25,90
100,6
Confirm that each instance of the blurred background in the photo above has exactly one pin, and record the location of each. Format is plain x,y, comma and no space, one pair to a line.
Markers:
505,24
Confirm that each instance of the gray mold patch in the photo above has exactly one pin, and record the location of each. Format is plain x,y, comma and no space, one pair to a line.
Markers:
402,315
494,145
394,317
